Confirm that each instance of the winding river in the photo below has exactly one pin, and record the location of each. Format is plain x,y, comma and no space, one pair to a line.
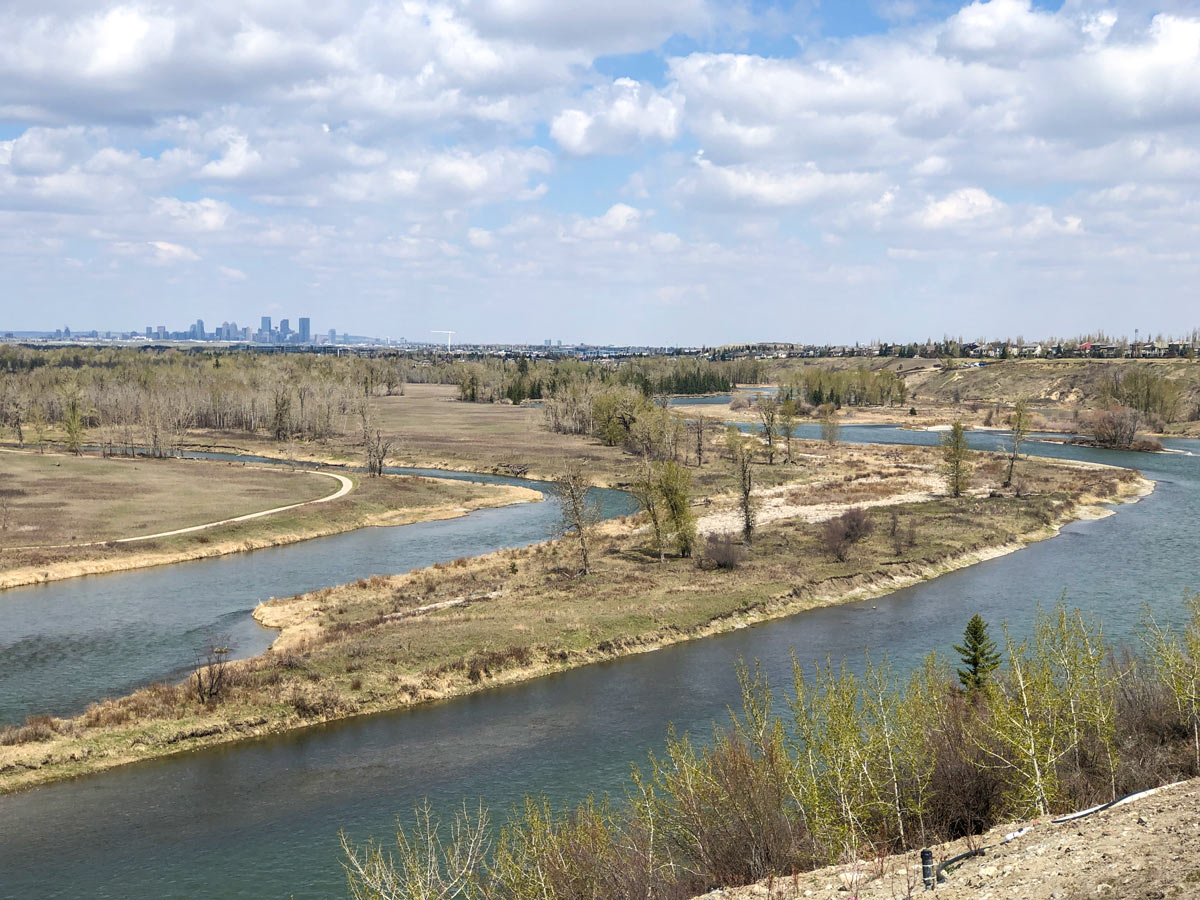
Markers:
261,819
67,643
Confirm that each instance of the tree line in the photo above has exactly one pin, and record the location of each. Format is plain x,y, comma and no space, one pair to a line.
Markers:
491,379
135,401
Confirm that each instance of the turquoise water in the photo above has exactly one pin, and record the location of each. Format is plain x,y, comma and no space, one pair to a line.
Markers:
261,819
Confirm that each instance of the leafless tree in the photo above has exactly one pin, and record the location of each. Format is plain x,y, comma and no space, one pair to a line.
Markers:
787,424
768,414
377,448
700,430
1114,427
580,511
211,678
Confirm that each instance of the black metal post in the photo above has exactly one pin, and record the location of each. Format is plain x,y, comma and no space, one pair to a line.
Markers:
927,869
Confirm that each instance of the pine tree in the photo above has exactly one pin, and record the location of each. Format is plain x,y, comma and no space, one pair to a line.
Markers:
978,653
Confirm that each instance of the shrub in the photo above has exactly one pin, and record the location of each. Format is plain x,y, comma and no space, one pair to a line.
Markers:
724,551
36,728
1113,427
842,532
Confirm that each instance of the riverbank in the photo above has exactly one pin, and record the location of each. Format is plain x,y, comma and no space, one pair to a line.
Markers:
360,502
382,644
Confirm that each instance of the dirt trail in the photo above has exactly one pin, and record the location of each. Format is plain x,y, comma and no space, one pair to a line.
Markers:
1148,849
346,486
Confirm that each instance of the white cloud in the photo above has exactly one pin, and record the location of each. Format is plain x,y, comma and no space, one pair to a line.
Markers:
1005,30
619,218
962,206
480,238
232,274
237,160
616,116
779,186
200,215
166,252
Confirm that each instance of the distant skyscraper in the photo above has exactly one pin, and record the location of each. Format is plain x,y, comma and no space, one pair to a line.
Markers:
265,325
305,333
285,328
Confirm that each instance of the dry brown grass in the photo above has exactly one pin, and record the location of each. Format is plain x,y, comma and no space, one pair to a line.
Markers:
391,500
58,499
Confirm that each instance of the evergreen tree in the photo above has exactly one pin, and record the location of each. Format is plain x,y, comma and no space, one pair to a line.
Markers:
978,653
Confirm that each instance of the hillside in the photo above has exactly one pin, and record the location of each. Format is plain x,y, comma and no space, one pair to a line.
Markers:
1148,848
1056,388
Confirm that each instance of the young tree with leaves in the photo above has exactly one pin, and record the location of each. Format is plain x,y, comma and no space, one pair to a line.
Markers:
956,467
979,655
645,491
1019,423
1177,660
768,414
674,485
743,470
831,429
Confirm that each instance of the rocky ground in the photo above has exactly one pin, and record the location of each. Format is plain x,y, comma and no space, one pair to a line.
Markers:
1148,849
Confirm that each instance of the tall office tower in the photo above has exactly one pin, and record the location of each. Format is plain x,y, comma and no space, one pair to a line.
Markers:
305,333
200,329
285,329
265,325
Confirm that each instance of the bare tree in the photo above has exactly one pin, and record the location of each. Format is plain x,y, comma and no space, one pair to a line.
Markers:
377,447
211,678
1114,427
700,429
580,511
787,424
768,414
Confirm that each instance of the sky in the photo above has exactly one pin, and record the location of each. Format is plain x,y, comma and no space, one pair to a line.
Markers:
671,172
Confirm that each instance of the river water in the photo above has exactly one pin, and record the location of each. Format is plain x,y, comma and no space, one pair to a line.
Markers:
261,819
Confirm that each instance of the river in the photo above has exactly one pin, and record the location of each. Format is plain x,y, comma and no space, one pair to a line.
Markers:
67,643
261,819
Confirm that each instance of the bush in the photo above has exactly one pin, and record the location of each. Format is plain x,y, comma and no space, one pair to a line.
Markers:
724,551
1114,427
36,728
842,532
